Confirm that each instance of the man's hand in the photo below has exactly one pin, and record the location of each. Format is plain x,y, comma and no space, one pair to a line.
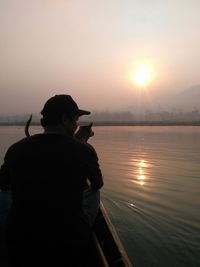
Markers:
84,133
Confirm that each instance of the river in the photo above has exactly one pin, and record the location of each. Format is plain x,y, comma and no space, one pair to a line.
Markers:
151,191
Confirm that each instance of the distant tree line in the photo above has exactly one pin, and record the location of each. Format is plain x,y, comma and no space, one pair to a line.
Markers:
118,117
147,115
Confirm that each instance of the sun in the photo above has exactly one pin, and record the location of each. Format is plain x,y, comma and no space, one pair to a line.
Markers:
141,76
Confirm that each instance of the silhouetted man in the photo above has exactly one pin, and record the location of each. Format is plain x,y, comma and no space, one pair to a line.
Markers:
47,174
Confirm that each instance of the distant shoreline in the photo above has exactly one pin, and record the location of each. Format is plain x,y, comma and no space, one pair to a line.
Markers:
137,123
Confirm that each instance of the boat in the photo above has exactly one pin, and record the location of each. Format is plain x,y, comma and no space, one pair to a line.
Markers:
106,243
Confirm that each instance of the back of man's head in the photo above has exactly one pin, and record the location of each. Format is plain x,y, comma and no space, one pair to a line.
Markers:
60,105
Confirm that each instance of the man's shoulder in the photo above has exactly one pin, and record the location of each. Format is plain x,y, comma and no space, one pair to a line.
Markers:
21,143
85,148
81,145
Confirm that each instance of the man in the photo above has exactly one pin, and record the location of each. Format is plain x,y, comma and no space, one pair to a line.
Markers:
47,174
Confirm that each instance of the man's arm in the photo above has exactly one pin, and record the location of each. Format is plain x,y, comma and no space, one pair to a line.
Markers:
4,177
94,171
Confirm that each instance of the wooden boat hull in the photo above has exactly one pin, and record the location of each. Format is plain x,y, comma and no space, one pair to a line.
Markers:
107,243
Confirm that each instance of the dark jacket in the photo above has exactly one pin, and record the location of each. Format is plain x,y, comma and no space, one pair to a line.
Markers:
47,174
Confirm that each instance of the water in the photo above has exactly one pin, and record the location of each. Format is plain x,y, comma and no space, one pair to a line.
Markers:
152,189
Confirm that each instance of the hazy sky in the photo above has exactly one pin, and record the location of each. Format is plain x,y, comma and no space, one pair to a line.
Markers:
87,48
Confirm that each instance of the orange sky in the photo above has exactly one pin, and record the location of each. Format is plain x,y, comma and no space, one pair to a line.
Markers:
87,49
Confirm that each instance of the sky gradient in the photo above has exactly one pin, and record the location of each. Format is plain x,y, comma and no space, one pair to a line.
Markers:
87,48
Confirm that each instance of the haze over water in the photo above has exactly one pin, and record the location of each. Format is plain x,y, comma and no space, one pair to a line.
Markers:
152,189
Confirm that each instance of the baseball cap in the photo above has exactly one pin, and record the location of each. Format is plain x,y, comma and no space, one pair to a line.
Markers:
62,104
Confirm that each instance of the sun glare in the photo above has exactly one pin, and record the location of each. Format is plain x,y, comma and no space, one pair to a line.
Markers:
141,76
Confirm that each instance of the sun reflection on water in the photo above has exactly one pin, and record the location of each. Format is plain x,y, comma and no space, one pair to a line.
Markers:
140,171
142,163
